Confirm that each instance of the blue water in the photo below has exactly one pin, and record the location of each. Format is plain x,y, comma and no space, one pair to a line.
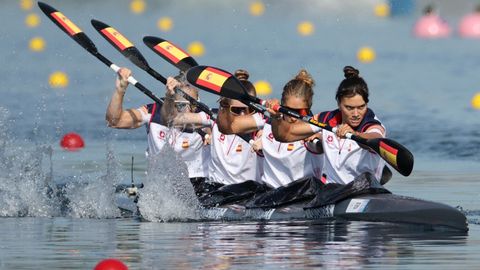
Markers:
421,89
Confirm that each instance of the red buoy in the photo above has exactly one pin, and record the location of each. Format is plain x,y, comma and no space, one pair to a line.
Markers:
110,264
72,142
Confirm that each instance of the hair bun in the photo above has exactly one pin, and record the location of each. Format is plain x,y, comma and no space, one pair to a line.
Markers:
242,74
350,72
305,77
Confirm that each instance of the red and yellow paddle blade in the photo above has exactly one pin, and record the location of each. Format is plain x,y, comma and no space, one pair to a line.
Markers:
121,43
395,154
68,27
217,81
170,52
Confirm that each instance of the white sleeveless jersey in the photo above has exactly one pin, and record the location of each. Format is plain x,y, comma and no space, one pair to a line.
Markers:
345,159
188,145
232,159
287,162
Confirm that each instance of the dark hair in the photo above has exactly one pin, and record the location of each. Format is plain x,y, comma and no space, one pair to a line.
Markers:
428,9
352,85
300,86
242,75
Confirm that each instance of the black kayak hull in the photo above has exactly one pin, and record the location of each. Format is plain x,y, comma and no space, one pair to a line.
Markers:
375,207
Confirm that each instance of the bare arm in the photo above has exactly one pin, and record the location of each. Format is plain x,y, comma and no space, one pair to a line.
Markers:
235,124
117,117
168,112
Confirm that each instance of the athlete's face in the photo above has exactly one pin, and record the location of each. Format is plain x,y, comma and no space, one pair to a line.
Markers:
298,104
353,110
182,104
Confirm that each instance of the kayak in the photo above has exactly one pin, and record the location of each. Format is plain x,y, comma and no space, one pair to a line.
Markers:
372,207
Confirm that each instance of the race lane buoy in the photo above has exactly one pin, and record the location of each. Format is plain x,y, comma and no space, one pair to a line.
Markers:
110,264
72,142
37,44
476,101
58,79
263,88
366,55
196,48
305,28
165,24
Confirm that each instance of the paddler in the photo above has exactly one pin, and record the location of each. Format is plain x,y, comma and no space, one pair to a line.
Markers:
283,163
185,140
344,158
233,162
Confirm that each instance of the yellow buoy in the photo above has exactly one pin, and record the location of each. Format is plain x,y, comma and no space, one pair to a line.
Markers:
32,20
37,44
58,79
26,4
165,24
305,28
263,88
476,101
382,10
196,48
366,55
257,8
137,6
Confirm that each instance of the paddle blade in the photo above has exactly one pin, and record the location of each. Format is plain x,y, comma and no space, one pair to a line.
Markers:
68,27
170,52
394,154
121,43
217,81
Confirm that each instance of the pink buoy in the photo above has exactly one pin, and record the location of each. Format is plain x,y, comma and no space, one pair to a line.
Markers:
72,142
431,25
110,264
469,26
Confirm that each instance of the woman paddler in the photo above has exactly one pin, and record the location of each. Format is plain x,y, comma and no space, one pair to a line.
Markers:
233,167
185,140
345,159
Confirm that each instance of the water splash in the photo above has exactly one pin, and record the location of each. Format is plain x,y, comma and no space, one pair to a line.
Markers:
91,196
25,188
168,194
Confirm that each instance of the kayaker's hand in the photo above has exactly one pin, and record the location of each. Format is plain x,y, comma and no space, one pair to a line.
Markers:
313,137
257,145
270,104
207,140
121,82
343,129
172,83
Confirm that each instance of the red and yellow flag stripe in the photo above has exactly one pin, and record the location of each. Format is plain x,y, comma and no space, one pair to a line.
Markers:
213,78
66,24
171,51
388,153
120,41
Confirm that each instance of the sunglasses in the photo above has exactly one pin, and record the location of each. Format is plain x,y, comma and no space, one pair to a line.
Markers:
182,106
240,110
301,111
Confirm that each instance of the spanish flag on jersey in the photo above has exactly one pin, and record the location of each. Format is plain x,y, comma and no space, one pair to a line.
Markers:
290,147
239,148
185,143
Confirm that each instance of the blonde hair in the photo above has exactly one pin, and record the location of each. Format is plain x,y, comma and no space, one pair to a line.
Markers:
300,86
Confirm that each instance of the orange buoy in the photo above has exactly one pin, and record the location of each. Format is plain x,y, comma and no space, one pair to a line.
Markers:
72,142
111,264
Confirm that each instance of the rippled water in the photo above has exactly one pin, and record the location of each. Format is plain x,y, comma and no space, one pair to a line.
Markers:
420,89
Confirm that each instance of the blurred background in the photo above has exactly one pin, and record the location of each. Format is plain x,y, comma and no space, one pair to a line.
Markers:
423,76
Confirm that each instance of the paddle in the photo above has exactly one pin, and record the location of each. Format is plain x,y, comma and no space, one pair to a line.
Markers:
180,59
125,47
81,38
223,83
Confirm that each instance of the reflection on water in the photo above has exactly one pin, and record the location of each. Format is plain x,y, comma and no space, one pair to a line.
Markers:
70,243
